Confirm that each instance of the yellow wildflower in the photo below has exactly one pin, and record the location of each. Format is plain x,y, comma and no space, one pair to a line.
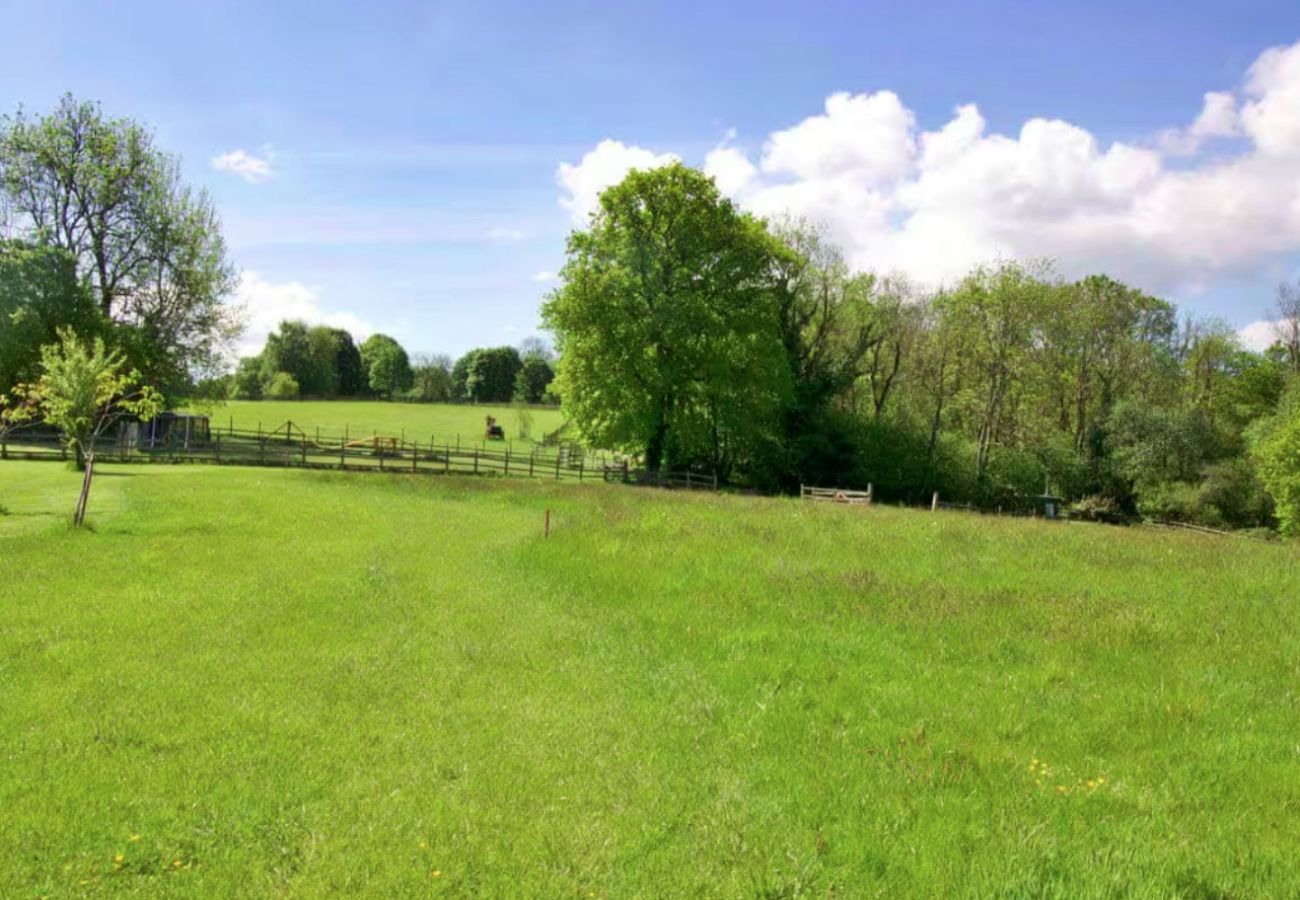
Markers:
436,873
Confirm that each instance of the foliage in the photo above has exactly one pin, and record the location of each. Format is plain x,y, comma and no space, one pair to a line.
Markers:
149,246
460,375
83,390
282,386
491,375
246,383
39,294
388,370
431,379
534,380
668,348
1277,455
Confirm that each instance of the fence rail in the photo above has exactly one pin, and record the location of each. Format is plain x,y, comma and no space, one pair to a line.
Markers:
836,495
381,453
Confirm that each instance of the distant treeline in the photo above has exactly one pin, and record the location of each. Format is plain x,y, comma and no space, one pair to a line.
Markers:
694,335
303,361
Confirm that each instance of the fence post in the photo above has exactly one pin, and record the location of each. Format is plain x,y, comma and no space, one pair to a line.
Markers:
870,493
557,467
476,461
304,449
381,454
532,456
218,448
507,459
580,465
261,445
446,460
934,502
415,456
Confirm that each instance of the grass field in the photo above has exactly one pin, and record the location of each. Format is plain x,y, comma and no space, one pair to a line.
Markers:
258,683
420,421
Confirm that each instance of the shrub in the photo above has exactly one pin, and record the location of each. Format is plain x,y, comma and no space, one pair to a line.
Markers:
282,386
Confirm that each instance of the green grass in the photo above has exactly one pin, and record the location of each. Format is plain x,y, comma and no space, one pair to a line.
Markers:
317,684
419,421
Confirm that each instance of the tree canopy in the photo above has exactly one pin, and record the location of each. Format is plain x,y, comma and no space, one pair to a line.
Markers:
148,246
667,346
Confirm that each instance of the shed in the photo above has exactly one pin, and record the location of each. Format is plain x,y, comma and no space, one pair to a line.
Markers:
171,429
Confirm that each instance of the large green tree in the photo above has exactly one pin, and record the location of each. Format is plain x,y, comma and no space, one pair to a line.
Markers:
492,373
148,245
388,369
669,345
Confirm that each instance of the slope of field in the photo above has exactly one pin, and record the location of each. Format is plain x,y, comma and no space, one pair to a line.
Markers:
252,683
442,422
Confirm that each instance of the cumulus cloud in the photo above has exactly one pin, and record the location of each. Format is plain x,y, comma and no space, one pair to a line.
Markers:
604,165
932,203
253,169
268,303
1259,336
544,277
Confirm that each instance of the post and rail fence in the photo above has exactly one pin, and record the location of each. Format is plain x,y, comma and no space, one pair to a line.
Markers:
294,447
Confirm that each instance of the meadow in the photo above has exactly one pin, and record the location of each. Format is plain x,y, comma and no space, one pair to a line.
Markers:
267,682
441,422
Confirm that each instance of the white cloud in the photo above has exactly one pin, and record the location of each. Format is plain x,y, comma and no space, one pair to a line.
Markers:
543,277
268,303
604,165
729,167
1258,336
1218,119
253,169
934,203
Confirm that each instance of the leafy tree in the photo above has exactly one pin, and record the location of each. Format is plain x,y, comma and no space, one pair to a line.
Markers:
149,246
669,347
1287,324
282,386
246,383
288,349
83,390
39,294
388,369
348,368
534,377
432,379
321,378
460,375
492,375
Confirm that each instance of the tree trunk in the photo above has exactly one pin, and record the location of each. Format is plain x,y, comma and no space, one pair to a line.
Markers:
79,515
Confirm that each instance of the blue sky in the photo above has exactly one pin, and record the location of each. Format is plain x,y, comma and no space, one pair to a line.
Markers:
411,150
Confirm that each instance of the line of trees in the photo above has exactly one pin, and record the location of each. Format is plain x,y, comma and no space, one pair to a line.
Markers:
299,360
694,335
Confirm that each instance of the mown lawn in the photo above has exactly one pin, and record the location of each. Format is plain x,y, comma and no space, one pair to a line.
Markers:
441,422
253,683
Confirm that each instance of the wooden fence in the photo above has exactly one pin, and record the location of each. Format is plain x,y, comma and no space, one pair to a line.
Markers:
836,495
378,453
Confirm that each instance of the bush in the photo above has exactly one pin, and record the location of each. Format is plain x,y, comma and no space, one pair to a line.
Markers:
1278,456
282,386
